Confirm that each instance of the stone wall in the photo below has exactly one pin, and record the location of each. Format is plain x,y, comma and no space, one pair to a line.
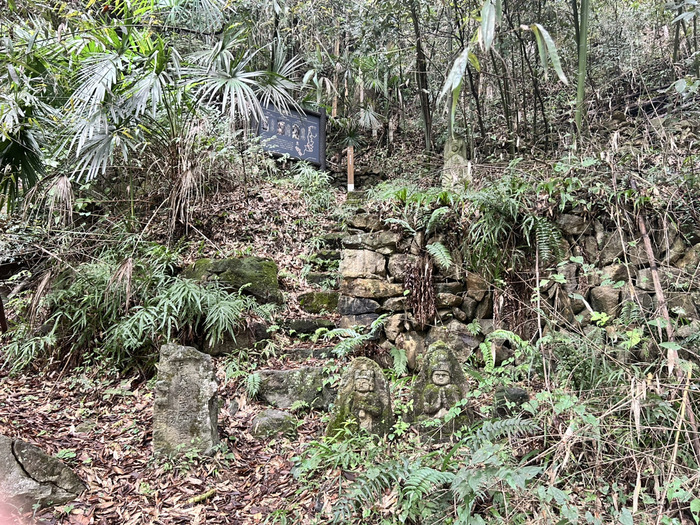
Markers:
600,270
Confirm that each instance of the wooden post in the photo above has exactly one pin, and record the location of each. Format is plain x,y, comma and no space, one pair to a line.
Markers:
3,320
351,168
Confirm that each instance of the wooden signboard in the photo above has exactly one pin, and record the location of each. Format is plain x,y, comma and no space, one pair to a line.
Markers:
301,135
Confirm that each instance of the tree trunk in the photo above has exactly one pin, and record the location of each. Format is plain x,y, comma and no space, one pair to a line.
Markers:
422,80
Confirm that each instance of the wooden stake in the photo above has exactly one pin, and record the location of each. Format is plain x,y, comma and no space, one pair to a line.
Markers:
3,320
351,168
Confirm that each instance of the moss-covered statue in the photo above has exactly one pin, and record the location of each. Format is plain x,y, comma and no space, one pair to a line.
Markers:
363,400
439,386
456,170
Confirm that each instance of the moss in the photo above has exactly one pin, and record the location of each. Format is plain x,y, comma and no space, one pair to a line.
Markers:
317,302
257,275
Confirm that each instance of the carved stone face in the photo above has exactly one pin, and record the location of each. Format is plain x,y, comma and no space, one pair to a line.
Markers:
441,377
364,382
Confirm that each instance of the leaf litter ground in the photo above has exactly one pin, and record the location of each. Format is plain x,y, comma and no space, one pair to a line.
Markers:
102,429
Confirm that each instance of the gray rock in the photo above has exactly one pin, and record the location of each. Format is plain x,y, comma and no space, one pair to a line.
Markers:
611,249
363,402
365,221
485,308
456,336
637,254
362,263
185,410
477,286
370,288
469,307
395,304
246,337
29,477
508,400
352,242
348,321
356,305
414,345
459,315
589,246
681,305
675,252
645,280
572,224
271,422
327,279
638,297
260,274
400,264
383,242
447,300
690,261
605,299
308,326
394,325
284,388
455,288
618,272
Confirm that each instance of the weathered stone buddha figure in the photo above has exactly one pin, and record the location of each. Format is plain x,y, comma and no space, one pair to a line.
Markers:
363,401
439,386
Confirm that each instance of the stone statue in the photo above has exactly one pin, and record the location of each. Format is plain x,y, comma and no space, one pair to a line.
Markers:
440,394
363,400
456,170
439,386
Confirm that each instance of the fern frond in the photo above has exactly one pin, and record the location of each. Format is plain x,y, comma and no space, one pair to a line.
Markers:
491,431
401,223
400,358
440,254
252,385
436,218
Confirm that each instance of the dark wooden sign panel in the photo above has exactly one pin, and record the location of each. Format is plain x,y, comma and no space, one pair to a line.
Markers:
300,135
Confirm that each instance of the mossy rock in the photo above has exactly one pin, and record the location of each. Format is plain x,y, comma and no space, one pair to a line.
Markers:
256,274
306,386
317,302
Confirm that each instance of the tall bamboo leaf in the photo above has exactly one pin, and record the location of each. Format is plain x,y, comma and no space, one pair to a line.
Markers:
551,51
488,23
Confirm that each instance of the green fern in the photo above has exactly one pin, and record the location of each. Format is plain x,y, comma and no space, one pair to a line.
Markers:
252,385
491,431
400,361
351,339
437,218
416,485
440,254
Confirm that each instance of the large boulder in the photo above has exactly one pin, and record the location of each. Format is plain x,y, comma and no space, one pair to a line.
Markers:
308,386
257,275
29,477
